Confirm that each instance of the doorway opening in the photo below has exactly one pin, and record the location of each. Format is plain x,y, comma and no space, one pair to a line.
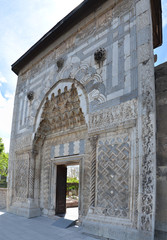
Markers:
67,191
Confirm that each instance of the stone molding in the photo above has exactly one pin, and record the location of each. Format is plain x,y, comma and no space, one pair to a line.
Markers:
93,142
146,122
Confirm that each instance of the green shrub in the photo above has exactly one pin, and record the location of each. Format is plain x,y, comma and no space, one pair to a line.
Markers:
72,180
72,184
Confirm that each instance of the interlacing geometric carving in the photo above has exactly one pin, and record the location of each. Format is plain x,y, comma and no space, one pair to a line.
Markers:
60,113
93,142
21,176
113,189
46,175
31,175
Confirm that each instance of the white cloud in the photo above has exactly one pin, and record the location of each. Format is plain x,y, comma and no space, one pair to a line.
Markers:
30,21
25,23
2,79
6,110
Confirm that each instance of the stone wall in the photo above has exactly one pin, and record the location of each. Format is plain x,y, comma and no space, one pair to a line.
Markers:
161,97
90,97
3,194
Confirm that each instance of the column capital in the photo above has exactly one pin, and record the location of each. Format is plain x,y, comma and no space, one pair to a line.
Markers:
93,139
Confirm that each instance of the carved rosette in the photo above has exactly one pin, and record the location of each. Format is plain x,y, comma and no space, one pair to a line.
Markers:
100,55
93,142
30,95
60,64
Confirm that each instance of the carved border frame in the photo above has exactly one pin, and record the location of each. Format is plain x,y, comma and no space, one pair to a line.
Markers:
134,183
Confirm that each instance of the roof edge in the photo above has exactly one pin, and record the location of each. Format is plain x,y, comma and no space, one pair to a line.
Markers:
70,20
156,9
75,16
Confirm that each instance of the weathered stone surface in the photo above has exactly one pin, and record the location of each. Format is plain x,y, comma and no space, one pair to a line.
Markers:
95,109
3,196
161,96
113,189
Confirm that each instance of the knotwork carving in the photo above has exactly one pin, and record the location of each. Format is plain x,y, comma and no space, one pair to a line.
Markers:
60,113
113,180
93,142
31,175
21,175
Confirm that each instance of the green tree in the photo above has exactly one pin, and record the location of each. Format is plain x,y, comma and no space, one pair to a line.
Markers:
1,146
3,160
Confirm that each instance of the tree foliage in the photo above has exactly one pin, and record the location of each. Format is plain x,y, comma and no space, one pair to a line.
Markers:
3,160
1,146
72,180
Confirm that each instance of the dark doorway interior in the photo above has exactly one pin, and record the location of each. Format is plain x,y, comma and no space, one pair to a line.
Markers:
61,189
67,192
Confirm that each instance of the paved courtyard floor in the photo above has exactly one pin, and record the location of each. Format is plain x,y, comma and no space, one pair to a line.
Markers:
13,227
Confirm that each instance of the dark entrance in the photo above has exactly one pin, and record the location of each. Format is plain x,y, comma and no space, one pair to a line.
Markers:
67,190
61,189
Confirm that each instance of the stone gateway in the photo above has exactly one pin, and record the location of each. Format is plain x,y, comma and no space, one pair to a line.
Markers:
86,95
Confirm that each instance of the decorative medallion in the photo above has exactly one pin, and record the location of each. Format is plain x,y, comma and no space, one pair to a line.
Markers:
60,64
100,55
30,95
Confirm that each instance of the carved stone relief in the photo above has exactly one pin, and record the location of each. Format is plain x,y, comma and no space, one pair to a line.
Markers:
147,175
45,176
46,200
113,180
115,115
86,75
21,177
23,142
100,55
148,165
30,95
60,64
60,113
93,143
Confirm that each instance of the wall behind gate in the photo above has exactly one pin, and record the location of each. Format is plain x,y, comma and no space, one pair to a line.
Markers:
3,193
161,96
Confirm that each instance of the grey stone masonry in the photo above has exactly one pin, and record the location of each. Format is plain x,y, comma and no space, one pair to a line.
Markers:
161,106
3,197
94,81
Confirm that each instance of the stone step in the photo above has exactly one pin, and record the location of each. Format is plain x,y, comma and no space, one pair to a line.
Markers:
64,223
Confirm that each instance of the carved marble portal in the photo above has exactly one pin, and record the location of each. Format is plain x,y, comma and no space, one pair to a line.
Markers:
60,113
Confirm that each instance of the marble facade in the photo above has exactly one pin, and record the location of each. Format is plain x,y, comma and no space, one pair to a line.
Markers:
89,97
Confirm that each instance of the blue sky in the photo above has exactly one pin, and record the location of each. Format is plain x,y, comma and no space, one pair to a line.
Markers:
162,51
22,23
